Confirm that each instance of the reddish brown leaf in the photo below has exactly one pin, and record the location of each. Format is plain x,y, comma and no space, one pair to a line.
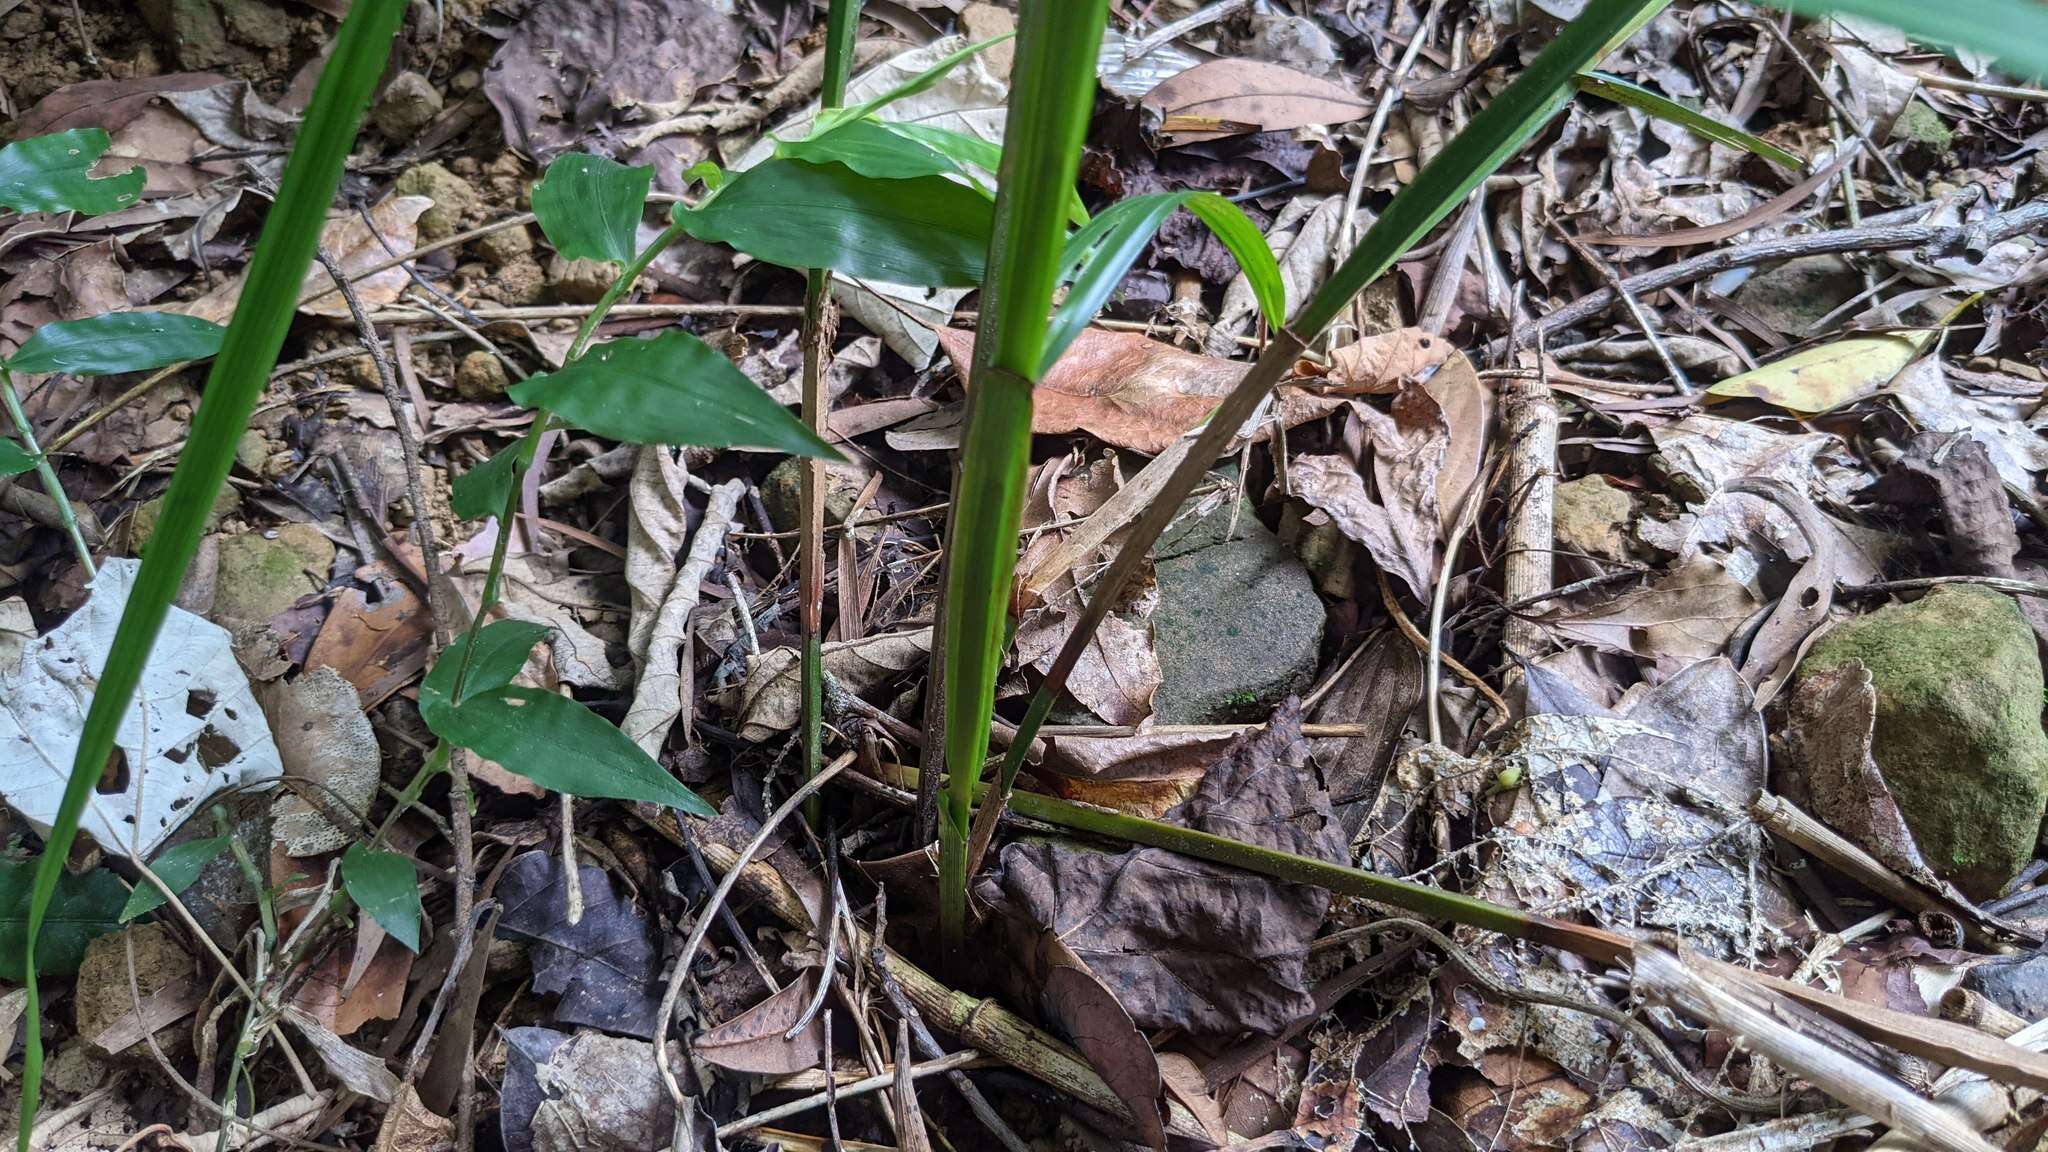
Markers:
1082,1007
753,1041
1231,96
1378,364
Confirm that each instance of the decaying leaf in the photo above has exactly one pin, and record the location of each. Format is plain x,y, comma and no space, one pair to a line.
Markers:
1680,616
1377,365
323,737
770,700
198,729
586,1092
1829,376
359,1071
1165,933
755,1040
1399,524
354,246
1083,1008
1228,97
605,967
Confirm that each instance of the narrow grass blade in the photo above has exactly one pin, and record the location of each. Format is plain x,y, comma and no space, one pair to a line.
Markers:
1693,120
1052,92
269,297
1497,133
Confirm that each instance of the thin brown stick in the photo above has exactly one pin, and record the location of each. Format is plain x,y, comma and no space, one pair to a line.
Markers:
1451,662
1531,428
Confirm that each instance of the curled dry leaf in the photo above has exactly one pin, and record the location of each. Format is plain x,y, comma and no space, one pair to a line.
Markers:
1377,365
1400,527
770,698
1680,616
1229,97
1082,1007
354,246
755,1040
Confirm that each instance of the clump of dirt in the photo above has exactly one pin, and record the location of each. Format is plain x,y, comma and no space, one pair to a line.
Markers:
40,50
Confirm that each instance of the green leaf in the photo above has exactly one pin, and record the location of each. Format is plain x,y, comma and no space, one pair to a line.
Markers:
872,149
2013,31
1099,254
80,908
383,884
483,490
48,174
178,866
1243,240
117,342
1700,124
590,207
499,653
925,231
707,173
269,300
13,460
673,389
559,744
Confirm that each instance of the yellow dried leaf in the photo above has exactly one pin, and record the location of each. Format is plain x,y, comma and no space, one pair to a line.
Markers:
1826,377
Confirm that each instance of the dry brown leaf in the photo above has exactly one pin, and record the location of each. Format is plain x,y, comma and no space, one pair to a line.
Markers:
1683,616
753,1041
322,737
1079,1004
769,699
1401,525
349,240
1228,97
409,1126
1377,365
377,648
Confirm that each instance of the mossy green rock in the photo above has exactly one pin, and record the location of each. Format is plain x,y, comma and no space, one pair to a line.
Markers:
260,577
142,525
1958,731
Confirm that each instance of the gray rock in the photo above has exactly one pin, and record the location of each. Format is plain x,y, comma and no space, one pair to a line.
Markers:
1795,295
1238,626
2018,986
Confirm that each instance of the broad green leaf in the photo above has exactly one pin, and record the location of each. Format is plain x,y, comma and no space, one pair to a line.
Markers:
270,294
14,461
561,745
1247,245
590,207
2014,31
926,231
177,866
834,116
81,908
48,174
501,650
117,342
483,490
872,149
383,884
1825,377
1099,254
1700,124
673,389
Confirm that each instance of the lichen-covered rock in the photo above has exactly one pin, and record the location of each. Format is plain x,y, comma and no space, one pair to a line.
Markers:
142,524
1238,626
456,203
103,995
481,377
1958,732
261,576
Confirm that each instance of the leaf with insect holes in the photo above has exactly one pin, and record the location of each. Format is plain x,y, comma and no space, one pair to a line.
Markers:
673,389
590,207
1700,124
13,460
49,174
178,867
84,907
551,740
117,342
1099,254
926,231
483,490
383,884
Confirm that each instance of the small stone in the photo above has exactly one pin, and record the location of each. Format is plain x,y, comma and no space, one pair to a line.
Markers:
252,451
142,525
258,23
456,202
76,1069
1794,296
465,81
261,576
481,377
782,492
1923,126
1958,733
409,103
1238,626
195,31
520,281
102,997
504,246
580,281
1592,519
2018,986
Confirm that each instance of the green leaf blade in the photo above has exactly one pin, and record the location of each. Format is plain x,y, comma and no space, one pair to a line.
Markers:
80,908
673,389
383,885
14,460
589,207
117,342
499,652
2013,31
1632,95
872,149
483,490
50,174
1243,240
178,867
1097,257
561,745
925,231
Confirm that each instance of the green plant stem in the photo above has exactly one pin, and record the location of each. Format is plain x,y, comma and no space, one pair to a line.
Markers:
45,471
1051,95
842,21
284,252
1493,136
